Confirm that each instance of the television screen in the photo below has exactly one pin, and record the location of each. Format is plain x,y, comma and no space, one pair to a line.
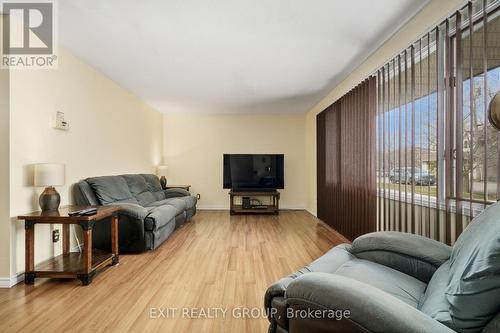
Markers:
252,171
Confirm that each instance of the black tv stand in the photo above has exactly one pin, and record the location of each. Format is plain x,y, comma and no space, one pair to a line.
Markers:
272,208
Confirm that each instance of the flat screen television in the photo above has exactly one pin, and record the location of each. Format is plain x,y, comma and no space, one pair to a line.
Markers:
254,171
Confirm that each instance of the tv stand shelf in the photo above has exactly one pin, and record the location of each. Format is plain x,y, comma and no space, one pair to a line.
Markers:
272,208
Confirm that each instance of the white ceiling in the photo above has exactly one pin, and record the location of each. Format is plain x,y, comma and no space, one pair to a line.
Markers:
229,55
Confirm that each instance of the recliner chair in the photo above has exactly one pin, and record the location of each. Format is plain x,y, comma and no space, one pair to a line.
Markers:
396,282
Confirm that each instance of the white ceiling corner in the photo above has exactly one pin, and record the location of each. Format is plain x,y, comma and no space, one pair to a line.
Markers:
229,55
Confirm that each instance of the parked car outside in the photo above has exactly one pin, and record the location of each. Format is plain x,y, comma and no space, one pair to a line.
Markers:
404,176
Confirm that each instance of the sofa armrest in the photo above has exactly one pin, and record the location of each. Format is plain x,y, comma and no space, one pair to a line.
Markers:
357,307
414,255
131,230
275,302
277,289
175,192
133,211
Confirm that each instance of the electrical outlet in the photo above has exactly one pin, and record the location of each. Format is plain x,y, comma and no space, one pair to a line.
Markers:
55,236
198,196
60,122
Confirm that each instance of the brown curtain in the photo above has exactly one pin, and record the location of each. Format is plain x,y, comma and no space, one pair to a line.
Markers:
346,162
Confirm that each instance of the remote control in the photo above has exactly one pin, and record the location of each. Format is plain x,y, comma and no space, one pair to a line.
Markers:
89,212
83,212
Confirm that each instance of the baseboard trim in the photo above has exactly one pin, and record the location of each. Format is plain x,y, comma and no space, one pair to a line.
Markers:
211,208
227,208
6,282
338,234
311,212
16,279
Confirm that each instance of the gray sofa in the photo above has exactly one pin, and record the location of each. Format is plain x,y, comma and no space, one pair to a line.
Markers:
396,282
148,216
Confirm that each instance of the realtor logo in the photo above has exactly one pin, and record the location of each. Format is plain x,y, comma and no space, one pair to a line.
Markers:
28,34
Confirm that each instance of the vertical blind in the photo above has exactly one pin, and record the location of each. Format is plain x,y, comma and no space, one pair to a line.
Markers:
346,162
437,159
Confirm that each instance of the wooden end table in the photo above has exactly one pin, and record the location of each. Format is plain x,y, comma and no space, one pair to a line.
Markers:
82,266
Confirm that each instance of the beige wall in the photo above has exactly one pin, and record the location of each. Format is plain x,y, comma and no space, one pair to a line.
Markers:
428,17
4,170
111,132
194,145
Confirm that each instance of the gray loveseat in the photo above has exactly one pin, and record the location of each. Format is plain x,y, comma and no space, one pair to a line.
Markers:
148,216
396,282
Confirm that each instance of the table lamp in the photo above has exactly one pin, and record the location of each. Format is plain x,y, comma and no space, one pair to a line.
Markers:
49,175
161,171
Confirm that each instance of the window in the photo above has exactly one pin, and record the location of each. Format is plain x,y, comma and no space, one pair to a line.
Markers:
437,155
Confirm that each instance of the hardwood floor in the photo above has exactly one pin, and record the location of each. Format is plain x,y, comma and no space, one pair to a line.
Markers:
215,261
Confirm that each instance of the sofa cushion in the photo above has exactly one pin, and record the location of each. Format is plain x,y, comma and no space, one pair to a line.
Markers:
156,237
402,286
181,202
175,192
139,189
414,255
154,186
159,217
189,200
474,282
178,203
158,203
111,189
332,260
434,303
84,195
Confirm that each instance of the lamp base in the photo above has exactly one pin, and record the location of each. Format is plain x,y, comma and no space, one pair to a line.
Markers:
49,199
163,182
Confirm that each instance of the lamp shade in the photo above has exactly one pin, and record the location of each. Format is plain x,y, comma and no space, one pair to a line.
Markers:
49,174
161,170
